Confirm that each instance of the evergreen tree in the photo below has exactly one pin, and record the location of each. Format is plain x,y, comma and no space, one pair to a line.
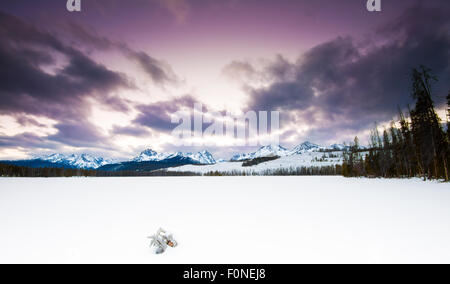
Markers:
396,140
386,157
427,131
408,156
448,117
418,146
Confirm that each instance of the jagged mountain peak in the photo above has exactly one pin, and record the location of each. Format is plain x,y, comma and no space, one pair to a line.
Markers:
149,152
264,151
273,148
82,161
203,157
339,147
305,147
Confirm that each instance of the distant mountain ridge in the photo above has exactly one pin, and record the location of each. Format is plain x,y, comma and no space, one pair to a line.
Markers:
73,161
305,147
148,155
277,150
265,151
81,161
149,160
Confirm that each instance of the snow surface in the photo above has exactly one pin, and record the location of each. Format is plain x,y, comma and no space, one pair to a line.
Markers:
225,220
305,159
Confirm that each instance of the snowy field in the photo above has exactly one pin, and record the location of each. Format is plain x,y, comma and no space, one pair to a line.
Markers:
308,159
225,220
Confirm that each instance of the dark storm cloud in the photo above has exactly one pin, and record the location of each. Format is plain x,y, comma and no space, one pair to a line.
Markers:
27,86
277,70
42,74
157,116
350,84
26,140
24,86
116,103
26,121
78,133
240,71
90,37
159,71
134,131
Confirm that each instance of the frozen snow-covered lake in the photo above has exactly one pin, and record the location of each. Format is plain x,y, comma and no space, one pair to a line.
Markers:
225,220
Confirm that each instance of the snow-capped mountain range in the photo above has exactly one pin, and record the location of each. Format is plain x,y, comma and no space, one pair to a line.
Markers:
87,161
204,157
305,147
81,161
266,151
339,147
276,150
306,155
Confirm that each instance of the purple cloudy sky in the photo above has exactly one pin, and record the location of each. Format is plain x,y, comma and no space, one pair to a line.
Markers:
106,80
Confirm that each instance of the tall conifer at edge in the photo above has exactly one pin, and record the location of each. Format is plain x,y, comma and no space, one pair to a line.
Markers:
448,116
429,137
